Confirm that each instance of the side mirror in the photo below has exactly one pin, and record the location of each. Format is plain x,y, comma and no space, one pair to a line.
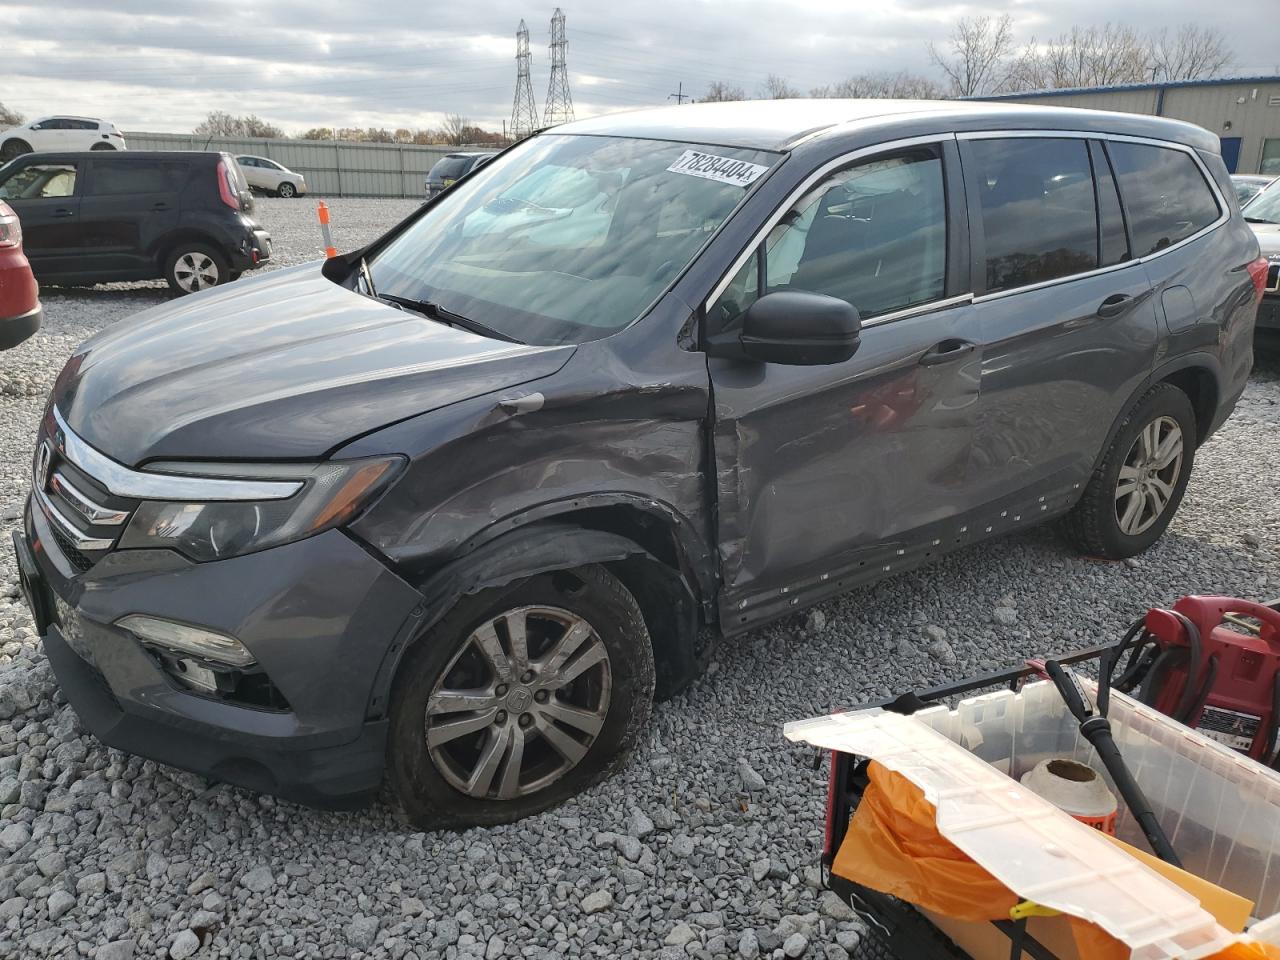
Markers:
801,329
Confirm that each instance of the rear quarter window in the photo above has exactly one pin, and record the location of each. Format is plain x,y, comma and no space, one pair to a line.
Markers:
1165,194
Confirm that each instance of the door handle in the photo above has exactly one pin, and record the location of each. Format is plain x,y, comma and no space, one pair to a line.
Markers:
1115,305
63,212
946,351
160,206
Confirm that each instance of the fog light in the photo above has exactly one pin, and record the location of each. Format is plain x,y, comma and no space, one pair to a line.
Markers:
185,639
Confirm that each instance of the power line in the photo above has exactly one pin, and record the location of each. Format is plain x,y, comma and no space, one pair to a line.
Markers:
524,112
559,107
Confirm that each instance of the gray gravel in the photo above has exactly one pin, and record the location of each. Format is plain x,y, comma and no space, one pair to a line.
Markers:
705,845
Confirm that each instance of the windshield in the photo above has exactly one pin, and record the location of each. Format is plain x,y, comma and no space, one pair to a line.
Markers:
568,238
1265,207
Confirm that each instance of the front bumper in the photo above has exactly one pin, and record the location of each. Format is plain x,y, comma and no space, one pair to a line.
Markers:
13,330
320,616
1266,331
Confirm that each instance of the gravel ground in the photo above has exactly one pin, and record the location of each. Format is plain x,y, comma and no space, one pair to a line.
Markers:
705,845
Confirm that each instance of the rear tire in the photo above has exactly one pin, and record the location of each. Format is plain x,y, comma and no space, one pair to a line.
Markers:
529,742
286,190
1136,489
13,148
102,146
191,267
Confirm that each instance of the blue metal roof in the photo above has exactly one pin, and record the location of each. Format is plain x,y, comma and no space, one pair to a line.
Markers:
1125,87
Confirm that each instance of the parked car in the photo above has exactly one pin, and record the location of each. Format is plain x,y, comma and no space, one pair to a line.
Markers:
449,169
1249,185
92,218
20,310
272,177
452,509
1263,214
60,134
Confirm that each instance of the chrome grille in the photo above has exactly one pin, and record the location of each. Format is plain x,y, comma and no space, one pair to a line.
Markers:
85,518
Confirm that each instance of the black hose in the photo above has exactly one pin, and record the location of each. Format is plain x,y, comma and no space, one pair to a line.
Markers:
1097,730
1270,755
1191,688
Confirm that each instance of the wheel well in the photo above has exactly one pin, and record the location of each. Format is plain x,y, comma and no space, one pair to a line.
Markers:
665,589
1202,390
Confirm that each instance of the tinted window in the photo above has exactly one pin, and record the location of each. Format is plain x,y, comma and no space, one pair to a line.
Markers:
1037,209
40,180
1165,194
874,235
247,161
82,124
1114,244
450,168
115,177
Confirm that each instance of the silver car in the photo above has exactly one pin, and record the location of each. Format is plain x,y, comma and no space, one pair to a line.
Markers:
272,177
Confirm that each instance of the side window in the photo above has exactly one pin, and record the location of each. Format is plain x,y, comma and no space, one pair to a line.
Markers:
1037,212
246,161
1164,192
873,234
1113,243
116,177
82,124
40,180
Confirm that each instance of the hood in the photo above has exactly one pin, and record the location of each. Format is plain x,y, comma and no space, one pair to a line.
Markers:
284,366
1268,235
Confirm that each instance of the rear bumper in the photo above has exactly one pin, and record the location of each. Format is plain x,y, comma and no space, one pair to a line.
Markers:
319,615
254,251
13,330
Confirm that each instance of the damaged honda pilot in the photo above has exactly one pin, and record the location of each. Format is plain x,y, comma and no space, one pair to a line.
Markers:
450,511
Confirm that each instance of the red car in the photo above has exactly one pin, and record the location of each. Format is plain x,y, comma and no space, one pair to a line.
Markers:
20,310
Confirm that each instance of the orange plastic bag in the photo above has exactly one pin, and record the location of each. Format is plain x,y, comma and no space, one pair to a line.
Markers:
893,845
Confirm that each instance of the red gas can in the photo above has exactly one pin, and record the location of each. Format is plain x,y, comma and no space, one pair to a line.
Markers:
1234,695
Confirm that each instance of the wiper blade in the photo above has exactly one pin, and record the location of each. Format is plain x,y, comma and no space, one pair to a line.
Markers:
1257,220
433,311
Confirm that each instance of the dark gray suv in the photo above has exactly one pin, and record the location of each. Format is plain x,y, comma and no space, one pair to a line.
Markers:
454,508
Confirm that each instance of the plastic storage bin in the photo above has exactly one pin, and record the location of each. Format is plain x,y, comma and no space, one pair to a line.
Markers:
1220,809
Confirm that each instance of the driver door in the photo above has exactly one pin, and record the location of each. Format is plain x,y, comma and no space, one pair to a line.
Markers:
832,475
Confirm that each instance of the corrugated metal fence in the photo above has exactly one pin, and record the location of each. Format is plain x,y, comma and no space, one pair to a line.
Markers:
334,169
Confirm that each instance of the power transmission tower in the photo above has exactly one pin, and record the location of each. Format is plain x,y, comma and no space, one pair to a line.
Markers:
524,112
559,107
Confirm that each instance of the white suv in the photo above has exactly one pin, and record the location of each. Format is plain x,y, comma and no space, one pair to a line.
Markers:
61,134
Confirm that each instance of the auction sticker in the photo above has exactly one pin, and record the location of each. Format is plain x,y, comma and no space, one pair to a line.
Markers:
695,163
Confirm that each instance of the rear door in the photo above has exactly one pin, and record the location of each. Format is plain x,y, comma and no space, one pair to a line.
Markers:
1066,314
130,203
833,475
46,196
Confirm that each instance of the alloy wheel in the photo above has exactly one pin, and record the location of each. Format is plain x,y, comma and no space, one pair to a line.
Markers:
287,190
520,704
195,271
1149,475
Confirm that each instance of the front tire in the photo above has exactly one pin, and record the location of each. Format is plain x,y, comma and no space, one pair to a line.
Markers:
1136,489
191,267
519,698
13,148
286,190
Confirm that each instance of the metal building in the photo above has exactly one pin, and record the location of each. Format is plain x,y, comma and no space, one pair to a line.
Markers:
1243,111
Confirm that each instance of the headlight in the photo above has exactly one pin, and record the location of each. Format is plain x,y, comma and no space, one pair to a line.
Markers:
331,494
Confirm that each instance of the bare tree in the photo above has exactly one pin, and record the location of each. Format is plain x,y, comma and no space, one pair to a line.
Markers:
778,88
974,59
720,92
1193,53
219,123
1089,57
455,127
9,118
317,133
902,85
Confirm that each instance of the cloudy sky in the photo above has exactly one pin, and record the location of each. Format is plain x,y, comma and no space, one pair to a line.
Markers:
393,63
